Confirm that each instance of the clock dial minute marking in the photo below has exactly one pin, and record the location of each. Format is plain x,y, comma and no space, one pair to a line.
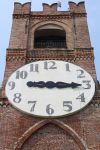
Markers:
51,84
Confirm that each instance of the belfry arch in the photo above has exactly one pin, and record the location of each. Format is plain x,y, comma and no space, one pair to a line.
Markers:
50,36
40,124
62,30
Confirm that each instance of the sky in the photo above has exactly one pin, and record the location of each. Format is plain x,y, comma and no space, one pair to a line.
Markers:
6,10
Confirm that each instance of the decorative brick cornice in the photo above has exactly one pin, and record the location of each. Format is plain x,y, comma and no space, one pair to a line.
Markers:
66,15
16,55
50,54
78,14
50,17
18,16
15,49
88,49
41,54
84,53
60,54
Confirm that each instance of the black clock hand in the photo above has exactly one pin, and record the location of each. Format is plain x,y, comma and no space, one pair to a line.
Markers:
51,84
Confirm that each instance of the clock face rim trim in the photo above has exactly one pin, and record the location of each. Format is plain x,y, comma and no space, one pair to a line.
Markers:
57,116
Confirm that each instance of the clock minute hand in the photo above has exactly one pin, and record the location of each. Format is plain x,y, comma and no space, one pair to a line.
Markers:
51,84
67,85
75,85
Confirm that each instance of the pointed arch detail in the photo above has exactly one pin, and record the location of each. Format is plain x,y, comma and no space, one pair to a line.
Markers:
56,122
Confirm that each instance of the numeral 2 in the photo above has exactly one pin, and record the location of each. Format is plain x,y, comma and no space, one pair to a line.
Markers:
80,74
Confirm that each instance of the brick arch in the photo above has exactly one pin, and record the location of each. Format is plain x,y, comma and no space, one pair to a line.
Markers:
46,22
64,26
58,123
51,24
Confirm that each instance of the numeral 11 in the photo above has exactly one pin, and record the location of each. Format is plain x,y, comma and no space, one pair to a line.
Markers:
67,67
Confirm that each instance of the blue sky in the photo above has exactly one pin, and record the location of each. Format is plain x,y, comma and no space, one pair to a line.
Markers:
6,10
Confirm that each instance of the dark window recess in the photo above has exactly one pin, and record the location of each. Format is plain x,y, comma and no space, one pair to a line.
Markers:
50,42
50,38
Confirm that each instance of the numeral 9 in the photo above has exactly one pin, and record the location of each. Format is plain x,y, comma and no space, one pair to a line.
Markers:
12,85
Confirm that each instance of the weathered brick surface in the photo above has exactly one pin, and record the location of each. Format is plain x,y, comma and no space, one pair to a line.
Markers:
18,38
50,8
50,137
19,131
82,33
22,8
77,8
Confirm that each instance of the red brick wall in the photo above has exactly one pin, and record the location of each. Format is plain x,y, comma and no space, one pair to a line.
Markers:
19,131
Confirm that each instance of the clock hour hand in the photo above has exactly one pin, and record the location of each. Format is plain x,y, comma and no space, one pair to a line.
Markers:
51,84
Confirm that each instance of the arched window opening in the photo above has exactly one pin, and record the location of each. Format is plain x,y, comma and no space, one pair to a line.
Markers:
50,37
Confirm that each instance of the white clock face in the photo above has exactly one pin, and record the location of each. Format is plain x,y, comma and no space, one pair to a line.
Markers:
50,88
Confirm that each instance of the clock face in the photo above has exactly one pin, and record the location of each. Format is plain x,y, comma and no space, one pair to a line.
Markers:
50,88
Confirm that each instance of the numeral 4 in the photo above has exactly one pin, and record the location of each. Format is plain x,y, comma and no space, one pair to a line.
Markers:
81,97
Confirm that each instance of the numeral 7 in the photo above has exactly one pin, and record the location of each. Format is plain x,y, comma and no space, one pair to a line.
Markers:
33,105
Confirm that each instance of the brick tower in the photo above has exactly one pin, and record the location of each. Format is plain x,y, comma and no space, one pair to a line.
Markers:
45,35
